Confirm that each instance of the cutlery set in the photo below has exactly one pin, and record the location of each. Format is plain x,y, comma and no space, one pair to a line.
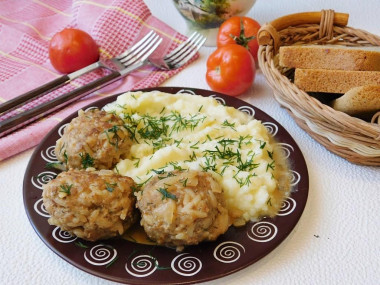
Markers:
118,67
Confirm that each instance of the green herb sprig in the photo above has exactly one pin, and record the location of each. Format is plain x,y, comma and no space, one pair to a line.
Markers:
86,160
66,188
166,194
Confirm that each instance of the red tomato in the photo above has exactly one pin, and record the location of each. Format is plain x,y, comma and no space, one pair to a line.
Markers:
230,70
72,49
241,31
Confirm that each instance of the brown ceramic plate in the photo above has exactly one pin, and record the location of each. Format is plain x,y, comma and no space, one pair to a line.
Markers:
128,262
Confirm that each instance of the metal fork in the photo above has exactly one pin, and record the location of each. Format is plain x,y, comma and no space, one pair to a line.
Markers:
137,56
139,52
173,60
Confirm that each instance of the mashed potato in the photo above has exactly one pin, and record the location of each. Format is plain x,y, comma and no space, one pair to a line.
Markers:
181,131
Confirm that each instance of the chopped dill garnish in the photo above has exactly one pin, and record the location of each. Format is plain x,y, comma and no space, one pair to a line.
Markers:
242,181
224,169
246,140
209,164
139,185
175,165
184,182
163,109
55,165
192,157
131,126
166,194
194,146
112,261
162,171
228,124
65,156
135,188
66,188
115,138
110,186
137,163
81,245
160,143
270,165
177,142
262,144
247,165
153,127
86,160
200,108
121,106
169,174
270,154
182,123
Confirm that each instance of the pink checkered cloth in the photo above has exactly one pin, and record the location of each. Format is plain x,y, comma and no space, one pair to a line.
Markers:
25,30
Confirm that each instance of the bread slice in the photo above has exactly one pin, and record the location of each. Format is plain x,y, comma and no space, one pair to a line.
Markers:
359,101
333,81
330,57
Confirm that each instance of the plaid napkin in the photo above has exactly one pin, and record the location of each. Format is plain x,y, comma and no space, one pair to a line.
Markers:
25,30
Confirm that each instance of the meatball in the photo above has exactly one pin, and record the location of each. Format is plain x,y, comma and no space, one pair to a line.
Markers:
93,139
92,205
182,208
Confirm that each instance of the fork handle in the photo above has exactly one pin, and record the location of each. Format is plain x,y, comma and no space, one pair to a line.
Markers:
39,91
47,87
33,114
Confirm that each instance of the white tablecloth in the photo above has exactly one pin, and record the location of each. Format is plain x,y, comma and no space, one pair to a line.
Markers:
336,240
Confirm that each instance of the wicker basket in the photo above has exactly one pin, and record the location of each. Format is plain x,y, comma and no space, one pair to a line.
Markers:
354,139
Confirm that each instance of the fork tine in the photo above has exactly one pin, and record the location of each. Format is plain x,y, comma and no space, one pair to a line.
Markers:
181,46
152,49
136,49
186,48
188,54
143,57
141,53
136,45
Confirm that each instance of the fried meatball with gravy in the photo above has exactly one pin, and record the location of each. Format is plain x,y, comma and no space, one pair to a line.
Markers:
92,205
184,208
93,139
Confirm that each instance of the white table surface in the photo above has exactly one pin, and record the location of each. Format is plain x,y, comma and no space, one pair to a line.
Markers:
337,238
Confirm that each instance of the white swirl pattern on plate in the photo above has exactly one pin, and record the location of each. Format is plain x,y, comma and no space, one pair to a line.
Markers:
271,128
49,154
295,178
286,148
61,129
100,254
186,265
262,232
91,108
40,208
228,251
247,109
142,266
219,99
287,207
186,91
62,236
42,178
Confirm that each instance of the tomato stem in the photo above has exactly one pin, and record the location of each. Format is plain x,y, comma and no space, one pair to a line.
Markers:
242,39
